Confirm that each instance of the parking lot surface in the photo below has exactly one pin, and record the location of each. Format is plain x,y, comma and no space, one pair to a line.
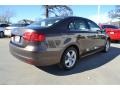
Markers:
100,68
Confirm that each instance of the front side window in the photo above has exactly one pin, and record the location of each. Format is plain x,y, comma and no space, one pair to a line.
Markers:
93,26
78,25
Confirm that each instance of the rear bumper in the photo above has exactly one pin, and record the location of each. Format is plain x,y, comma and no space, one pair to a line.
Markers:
38,58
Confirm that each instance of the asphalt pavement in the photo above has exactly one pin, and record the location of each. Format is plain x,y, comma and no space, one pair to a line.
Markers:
100,68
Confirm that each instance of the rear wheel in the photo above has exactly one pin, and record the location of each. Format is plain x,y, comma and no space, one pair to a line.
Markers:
69,58
1,34
107,46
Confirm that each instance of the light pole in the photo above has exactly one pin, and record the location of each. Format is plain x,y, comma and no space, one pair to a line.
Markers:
98,13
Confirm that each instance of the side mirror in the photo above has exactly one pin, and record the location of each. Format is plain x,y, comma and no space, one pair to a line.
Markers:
103,30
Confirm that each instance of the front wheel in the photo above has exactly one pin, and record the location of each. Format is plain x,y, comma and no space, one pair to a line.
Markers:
107,46
69,58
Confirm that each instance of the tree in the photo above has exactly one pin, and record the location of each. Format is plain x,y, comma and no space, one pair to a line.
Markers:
6,16
57,10
115,13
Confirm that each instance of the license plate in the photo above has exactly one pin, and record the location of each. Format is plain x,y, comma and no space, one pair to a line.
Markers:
17,38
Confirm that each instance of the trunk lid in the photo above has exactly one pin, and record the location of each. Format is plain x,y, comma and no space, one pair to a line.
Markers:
17,36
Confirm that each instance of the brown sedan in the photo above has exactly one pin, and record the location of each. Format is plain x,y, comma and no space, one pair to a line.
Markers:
60,40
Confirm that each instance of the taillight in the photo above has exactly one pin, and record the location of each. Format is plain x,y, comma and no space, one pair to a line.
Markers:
34,36
111,32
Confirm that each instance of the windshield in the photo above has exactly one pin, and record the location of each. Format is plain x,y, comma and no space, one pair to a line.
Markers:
45,22
109,26
4,25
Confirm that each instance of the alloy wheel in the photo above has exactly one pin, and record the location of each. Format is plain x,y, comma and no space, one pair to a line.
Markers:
107,45
70,58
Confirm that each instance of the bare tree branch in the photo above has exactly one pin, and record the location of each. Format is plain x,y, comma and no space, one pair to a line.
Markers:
115,13
6,16
57,10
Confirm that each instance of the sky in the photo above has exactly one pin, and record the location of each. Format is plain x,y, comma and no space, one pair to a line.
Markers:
34,12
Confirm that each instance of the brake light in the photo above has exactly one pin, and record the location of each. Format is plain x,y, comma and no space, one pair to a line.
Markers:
34,36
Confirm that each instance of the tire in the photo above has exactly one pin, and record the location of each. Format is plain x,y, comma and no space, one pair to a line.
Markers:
1,34
69,58
107,46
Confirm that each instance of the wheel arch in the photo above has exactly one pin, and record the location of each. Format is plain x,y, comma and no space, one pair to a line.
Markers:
71,45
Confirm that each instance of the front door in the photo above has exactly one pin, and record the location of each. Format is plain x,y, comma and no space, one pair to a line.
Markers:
98,36
80,29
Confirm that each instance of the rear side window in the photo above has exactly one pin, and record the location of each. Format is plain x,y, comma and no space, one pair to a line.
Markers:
93,26
78,25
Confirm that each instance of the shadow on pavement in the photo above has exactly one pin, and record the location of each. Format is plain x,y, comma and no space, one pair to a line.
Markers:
85,64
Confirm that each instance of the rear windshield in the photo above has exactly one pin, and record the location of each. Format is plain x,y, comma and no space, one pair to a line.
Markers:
45,22
109,26
18,25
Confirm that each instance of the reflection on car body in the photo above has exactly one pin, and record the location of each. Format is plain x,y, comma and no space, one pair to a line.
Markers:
59,40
